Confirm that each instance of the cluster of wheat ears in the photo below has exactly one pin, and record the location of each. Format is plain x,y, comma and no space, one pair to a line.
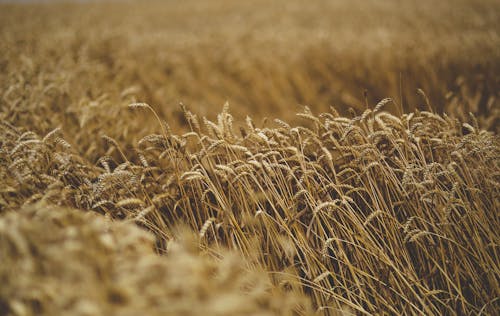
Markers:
389,208
372,213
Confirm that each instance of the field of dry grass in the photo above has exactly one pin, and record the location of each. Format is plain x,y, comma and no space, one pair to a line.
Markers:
262,158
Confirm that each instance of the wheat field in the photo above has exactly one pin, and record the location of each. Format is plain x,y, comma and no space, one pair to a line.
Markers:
250,158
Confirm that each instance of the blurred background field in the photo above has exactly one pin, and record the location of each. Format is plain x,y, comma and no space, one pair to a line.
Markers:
85,60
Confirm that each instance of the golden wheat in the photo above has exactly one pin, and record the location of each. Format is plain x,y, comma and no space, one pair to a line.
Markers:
380,204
